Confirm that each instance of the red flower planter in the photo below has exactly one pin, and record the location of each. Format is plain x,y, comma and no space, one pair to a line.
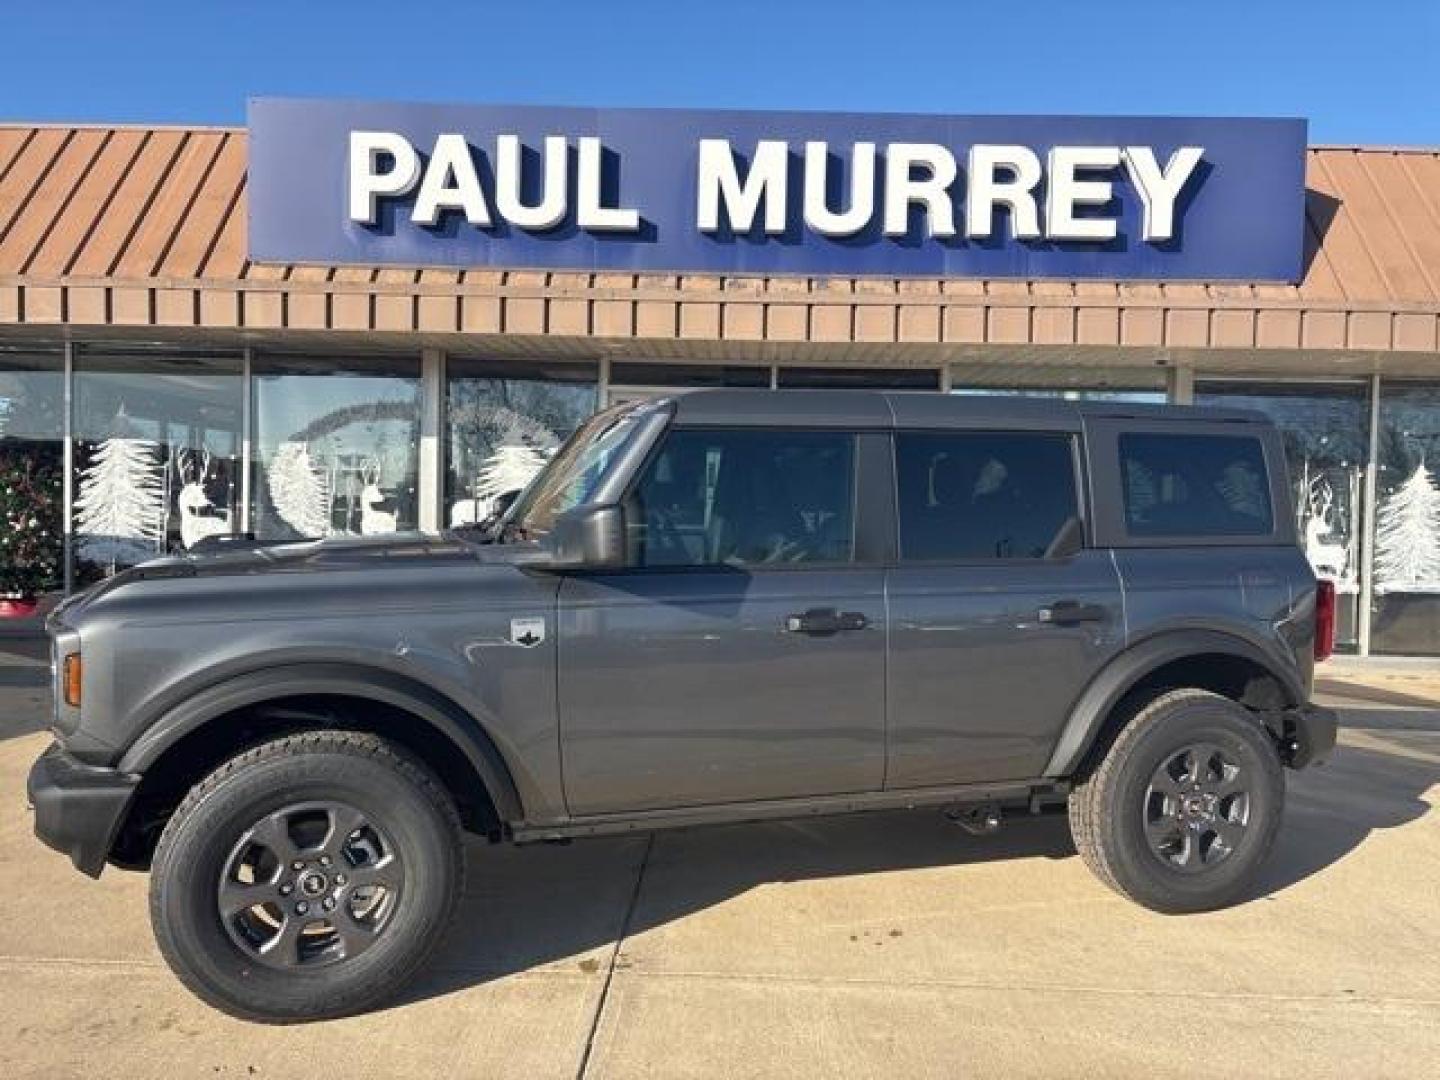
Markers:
12,608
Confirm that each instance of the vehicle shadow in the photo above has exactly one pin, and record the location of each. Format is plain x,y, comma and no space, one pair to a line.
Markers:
534,907
1376,779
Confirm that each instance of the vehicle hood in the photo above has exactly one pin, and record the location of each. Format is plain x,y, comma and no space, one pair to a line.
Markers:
241,558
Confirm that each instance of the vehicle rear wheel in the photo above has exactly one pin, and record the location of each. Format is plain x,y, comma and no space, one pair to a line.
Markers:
307,878
1184,807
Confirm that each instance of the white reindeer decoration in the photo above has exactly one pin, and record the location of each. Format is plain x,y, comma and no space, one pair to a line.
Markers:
374,521
1327,557
199,517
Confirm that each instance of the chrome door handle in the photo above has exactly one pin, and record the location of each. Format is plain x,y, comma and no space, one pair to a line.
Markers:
822,622
1071,613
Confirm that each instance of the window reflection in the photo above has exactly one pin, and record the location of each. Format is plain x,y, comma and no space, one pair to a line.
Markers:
157,456
505,420
31,459
336,447
1325,430
1407,522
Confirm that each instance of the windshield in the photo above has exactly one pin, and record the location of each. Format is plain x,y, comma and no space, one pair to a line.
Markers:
573,474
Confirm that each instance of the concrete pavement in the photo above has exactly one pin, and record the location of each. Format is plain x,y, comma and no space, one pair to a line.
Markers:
884,944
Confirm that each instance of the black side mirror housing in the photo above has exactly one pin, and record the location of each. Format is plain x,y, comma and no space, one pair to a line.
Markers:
588,537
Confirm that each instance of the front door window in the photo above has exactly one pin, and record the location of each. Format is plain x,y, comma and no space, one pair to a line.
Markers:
745,498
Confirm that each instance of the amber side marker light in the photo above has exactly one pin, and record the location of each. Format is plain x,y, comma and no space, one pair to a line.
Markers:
70,680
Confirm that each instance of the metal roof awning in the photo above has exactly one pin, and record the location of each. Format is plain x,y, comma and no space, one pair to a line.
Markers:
140,232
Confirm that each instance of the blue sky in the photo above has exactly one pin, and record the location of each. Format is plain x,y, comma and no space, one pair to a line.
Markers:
1362,72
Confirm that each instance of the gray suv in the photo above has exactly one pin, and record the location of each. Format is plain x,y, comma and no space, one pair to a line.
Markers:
724,606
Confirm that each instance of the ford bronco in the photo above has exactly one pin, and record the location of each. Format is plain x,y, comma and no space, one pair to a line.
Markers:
724,606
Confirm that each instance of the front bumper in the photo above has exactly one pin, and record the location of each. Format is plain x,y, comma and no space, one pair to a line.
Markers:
78,808
1309,735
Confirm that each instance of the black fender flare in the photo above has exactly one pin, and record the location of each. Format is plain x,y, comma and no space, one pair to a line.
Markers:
1130,666
352,680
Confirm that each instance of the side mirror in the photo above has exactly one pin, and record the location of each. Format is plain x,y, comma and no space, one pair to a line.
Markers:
588,537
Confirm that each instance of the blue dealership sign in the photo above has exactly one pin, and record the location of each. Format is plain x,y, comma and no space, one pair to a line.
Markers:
1120,198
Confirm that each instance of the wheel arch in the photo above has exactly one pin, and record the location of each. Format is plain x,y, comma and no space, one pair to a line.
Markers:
186,738
1215,660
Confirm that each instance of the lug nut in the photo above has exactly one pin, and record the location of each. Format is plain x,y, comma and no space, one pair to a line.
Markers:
329,903
339,879
324,860
297,865
301,908
286,889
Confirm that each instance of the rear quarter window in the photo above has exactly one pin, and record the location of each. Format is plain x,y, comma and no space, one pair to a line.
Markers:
1195,485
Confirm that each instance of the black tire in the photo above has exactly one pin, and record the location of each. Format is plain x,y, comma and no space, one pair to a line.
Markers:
1171,826
364,934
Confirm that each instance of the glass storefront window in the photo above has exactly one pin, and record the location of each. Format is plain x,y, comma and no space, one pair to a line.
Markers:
632,380
1139,397
1325,429
504,421
157,456
829,378
336,446
1406,615
32,404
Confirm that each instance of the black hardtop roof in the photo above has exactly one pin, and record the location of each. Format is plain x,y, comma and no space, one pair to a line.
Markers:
886,409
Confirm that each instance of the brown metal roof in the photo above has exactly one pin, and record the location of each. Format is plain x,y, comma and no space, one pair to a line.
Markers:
126,226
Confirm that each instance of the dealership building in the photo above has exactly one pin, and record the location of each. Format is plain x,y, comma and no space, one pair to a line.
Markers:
355,319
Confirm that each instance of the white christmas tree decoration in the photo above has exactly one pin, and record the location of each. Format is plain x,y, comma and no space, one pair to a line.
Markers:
300,490
120,507
510,468
1407,536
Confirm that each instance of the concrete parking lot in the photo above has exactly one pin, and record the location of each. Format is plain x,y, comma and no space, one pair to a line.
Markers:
884,944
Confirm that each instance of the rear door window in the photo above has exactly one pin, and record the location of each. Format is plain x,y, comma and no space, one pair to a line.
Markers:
983,495
1195,485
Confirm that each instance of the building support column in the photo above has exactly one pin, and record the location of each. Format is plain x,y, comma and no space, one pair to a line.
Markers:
432,401
1364,548
247,440
67,464
1180,384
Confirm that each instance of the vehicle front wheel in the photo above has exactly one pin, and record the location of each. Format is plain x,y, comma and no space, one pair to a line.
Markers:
1184,807
307,878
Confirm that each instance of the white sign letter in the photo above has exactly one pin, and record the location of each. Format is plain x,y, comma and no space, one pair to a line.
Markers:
1159,189
1064,192
719,181
901,189
1016,191
450,183
367,183
818,215
550,210
591,216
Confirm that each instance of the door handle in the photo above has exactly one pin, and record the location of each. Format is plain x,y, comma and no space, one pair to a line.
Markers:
822,622
1072,612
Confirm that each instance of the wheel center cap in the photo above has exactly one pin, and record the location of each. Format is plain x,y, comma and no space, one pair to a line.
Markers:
313,884
1195,806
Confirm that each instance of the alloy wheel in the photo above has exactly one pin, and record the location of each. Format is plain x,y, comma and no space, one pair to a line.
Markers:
1197,808
310,884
